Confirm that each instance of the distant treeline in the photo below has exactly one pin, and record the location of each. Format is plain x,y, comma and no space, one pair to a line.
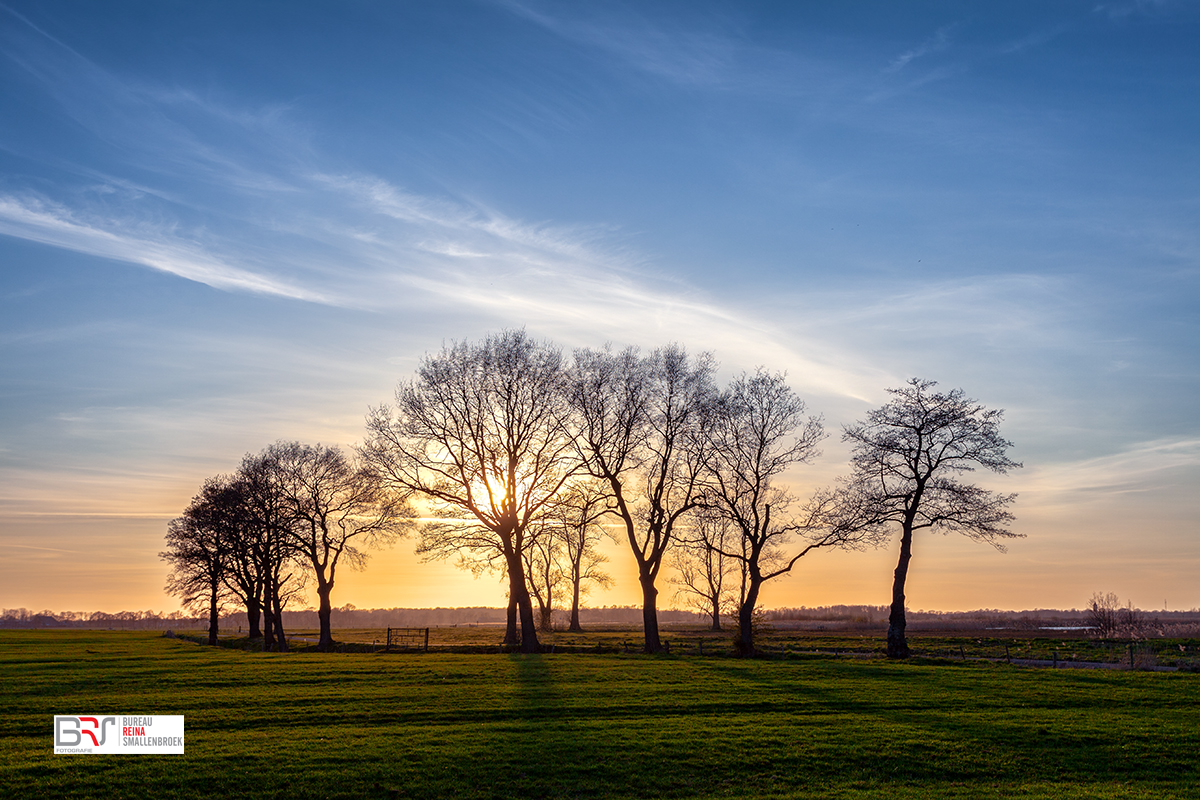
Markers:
838,617
344,617
873,617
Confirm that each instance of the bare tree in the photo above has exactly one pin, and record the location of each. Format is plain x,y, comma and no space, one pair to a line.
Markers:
704,573
905,461
544,570
479,435
198,545
760,431
226,507
577,517
339,509
267,543
640,431
1102,613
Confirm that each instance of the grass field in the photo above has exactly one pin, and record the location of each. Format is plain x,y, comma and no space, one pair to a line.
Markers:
693,640
362,725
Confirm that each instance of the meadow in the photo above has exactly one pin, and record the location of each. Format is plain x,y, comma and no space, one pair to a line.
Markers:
590,725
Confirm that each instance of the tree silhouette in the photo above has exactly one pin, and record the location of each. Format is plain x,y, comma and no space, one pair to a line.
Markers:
576,525
759,431
198,546
479,435
704,573
338,509
543,558
639,430
905,461
267,541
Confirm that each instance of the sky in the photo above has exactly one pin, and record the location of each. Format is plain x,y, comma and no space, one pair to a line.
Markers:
225,224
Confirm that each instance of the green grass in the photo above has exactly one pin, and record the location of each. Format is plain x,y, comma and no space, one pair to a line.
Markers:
367,725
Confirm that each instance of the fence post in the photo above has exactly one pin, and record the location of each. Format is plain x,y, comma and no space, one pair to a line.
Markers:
1007,655
387,648
426,641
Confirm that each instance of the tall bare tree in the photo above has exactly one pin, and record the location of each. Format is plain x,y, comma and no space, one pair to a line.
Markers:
640,431
339,509
244,575
479,434
198,547
268,542
905,462
759,431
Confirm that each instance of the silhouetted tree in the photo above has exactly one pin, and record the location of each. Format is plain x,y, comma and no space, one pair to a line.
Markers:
198,544
1102,612
479,435
226,507
639,429
578,516
338,509
905,461
563,553
269,542
705,574
759,431
543,568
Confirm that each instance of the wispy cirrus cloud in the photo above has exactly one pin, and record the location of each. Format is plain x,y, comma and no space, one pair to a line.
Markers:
290,227
51,223
1143,467
688,57
938,42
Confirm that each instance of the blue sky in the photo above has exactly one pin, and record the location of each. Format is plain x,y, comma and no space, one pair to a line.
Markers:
222,224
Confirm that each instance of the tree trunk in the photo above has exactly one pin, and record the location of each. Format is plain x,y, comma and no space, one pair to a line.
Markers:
745,640
511,637
280,638
650,614
716,613
545,618
324,615
254,615
575,626
897,644
213,615
529,639
268,626
520,592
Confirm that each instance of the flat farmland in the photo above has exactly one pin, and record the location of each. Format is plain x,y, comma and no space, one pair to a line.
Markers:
781,641
480,725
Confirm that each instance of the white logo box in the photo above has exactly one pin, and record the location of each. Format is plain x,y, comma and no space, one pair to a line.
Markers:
118,734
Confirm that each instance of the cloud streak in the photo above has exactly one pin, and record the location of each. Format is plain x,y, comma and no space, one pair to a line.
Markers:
934,44
689,58
1144,467
50,223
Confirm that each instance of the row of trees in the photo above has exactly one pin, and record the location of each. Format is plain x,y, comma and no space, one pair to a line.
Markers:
519,460
505,441
291,514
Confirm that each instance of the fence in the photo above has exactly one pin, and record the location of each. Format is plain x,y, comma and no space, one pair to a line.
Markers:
1138,654
408,639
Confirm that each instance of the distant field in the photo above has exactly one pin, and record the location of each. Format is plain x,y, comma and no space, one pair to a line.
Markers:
362,725
1072,646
